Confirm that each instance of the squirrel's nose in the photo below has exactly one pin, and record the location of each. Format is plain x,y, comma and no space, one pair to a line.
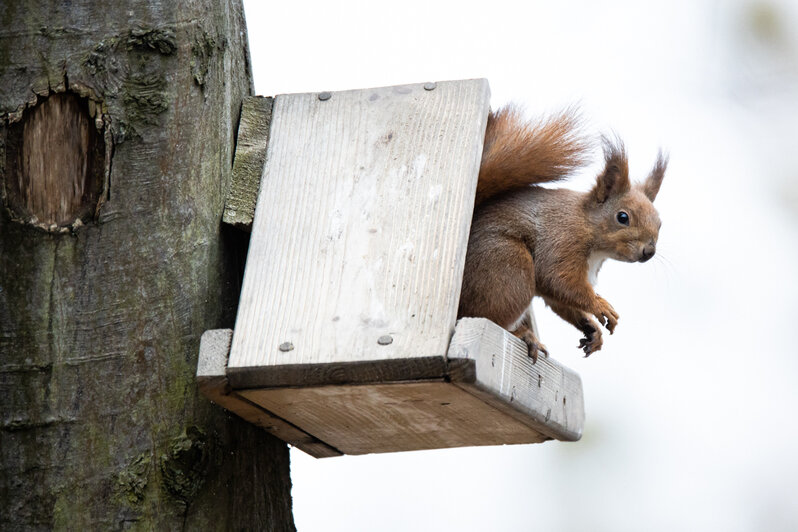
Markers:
647,252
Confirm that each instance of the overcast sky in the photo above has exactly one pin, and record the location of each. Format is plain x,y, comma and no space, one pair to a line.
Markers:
690,406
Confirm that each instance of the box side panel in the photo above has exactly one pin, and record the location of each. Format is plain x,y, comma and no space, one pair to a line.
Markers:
546,395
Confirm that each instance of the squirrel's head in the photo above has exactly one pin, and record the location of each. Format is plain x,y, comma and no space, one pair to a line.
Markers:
623,214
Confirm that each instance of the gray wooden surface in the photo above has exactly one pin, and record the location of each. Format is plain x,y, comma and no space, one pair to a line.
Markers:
251,144
361,228
213,383
545,395
490,393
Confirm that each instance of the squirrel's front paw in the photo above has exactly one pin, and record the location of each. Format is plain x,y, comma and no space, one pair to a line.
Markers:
592,341
606,314
534,346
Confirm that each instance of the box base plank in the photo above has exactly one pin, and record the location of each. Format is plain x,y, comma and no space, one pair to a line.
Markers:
487,393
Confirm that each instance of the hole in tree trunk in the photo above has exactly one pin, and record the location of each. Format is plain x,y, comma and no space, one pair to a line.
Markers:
55,163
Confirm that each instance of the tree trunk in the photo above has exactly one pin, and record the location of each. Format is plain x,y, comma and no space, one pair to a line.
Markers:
117,129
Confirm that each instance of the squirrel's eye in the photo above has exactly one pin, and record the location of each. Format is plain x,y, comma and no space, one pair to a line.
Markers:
623,218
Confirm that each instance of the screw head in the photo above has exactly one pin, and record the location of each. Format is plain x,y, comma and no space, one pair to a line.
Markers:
324,96
286,347
385,340
430,86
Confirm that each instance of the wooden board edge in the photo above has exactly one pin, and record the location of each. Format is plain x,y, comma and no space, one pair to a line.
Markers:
250,157
341,373
546,396
213,384
521,415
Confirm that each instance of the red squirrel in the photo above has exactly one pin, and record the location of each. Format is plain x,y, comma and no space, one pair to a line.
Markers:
528,240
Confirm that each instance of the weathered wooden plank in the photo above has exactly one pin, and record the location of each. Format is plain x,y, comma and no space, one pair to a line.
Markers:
547,395
250,157
214,350
361,227
490,393
381,418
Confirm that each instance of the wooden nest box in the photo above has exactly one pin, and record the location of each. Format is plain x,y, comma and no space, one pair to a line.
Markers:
345,340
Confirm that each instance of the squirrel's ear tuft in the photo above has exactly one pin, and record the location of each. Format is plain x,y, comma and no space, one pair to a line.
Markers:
614,179
654,180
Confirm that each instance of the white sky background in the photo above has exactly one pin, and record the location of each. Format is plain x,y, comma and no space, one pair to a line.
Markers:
691,405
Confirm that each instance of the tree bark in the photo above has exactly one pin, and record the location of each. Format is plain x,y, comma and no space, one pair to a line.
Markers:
117,129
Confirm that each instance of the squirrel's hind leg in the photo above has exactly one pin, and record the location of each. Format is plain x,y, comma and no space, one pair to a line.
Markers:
498,280
498,284
524,331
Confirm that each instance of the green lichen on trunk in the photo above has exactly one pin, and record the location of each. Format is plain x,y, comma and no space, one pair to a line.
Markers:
132,67
131,484
203,47
161,40
184,465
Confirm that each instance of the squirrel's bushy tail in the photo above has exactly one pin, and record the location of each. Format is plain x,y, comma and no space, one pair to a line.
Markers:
518,153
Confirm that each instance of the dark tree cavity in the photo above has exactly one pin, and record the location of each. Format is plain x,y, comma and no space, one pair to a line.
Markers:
55,162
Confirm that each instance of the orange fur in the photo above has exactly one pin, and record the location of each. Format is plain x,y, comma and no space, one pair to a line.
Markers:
530,241
518,153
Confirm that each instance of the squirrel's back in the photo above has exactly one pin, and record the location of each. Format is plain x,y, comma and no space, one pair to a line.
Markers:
518,153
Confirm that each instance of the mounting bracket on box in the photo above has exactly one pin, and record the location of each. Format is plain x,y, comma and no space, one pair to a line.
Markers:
345,340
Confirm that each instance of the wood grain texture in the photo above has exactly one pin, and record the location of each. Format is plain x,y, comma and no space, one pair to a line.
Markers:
361,226
55,163
212,382
382,418
251,144
547,396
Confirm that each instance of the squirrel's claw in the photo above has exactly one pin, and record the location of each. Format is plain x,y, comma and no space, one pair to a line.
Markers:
606,314
543,350
590,344
592,341
534,346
